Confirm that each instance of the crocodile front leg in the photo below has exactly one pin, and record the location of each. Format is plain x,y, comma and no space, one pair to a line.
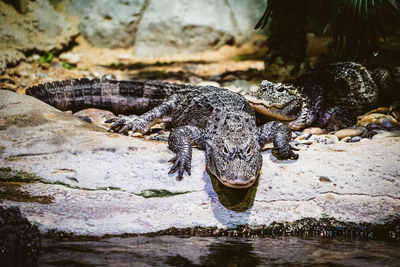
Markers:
180,141
280,134
144,122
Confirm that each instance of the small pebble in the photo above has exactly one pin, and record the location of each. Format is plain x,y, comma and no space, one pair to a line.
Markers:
313,130
326,139
355,139
70,58
97,116
345,139
24,69
348,132
135,134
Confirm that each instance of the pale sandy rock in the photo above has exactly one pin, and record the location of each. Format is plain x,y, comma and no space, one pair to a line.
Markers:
70,58
386,134
24,69
345,139
349,132
313,130
97,180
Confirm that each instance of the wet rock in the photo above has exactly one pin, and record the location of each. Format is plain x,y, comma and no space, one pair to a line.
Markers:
19,239
313,130
349,132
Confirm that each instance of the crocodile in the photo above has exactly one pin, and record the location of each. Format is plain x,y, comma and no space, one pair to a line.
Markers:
214,119
328,96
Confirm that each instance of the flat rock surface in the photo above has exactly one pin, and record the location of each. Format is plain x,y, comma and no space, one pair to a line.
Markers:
101,183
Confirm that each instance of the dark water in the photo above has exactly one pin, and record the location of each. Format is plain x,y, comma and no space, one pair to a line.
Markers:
212,251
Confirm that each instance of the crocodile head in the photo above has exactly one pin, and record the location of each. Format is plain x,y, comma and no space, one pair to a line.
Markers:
234,155
276,101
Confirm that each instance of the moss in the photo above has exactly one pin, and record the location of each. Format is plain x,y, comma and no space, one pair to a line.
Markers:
10,175
242,57
12,191
68,66
159,193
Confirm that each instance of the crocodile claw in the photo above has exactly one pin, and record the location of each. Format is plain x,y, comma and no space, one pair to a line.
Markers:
117,124
181,164
123,126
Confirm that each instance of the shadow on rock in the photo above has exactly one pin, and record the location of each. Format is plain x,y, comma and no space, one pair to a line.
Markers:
234,199
230,206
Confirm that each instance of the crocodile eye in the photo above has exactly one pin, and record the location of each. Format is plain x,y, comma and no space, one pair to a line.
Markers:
226,152
248,150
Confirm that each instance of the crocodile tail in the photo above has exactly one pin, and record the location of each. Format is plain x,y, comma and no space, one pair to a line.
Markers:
120,97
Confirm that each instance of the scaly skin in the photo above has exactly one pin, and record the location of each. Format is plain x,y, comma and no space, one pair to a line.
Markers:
217,120
329,96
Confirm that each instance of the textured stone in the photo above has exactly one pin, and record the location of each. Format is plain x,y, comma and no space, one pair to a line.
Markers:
98,181
194,25
107,23
313,130
41,28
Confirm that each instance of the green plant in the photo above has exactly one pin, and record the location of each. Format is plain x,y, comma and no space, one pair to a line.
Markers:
47,57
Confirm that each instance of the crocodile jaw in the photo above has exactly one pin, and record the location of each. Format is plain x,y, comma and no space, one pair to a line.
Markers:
274,111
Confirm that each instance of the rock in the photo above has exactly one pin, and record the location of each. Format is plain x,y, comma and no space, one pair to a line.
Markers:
377,118
70,58
345,139
349,132
326,139
238,86
208,83
9,56
24,69
355,139
86,181
41,28
107,23
96,116
194,25
313,130
386,134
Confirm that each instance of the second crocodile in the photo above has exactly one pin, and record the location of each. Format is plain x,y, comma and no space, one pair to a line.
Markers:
328,96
